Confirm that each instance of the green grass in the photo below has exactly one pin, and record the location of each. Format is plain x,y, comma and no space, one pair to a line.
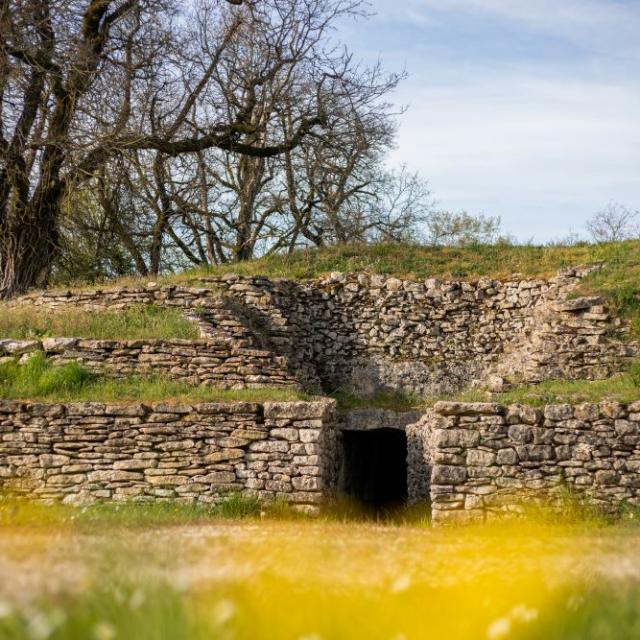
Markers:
152,611
309,580
415,261
160,611
390,400
39,380
624,387
100,516
139,322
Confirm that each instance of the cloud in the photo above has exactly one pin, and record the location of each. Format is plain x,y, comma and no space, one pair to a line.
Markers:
597,24
542,153
522,108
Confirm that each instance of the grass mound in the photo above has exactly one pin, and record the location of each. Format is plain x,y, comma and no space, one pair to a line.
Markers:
415,261
137,323
39,380
619,280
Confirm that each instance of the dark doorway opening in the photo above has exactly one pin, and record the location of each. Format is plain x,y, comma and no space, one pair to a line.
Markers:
374,470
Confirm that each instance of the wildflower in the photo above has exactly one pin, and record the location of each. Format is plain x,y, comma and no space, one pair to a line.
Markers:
522,613
400,584
224,611
104,631
499,628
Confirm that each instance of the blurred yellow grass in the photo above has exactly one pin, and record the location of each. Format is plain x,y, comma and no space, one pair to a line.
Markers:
387,582
323,580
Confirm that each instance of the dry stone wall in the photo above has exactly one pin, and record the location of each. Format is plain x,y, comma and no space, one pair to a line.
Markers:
91,451
368,333
211,362
487,459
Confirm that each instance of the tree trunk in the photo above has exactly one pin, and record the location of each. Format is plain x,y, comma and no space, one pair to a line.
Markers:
28,244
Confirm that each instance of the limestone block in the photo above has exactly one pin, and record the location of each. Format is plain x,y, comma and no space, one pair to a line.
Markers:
446,475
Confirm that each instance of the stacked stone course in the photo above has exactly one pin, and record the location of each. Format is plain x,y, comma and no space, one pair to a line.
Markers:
211,362
358,332
487,459
92,451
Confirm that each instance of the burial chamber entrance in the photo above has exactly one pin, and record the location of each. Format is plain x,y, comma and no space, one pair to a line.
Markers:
374,468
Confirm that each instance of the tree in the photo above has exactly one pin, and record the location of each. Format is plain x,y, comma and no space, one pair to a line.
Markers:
84,80
448,228
330,183
215,206
613,223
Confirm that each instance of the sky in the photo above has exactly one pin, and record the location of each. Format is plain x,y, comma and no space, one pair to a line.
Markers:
524,109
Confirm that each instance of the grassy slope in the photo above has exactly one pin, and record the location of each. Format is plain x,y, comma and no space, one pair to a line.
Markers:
140,322
619,280
418,261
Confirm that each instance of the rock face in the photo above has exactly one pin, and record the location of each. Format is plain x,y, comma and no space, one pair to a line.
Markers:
487,459
91,451
370,333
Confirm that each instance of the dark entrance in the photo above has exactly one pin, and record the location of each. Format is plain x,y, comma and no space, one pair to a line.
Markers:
374,471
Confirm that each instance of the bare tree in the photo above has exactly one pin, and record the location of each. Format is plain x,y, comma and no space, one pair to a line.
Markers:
400,208
613,223
447,228
214,206
81,80
330,182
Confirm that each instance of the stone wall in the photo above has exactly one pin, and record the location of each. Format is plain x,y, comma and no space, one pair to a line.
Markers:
368,333
488,459
91,451
212,362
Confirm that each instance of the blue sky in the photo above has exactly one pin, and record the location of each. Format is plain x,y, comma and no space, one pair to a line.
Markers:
526,109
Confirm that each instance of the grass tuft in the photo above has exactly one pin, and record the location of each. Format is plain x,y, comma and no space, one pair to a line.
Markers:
390,400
